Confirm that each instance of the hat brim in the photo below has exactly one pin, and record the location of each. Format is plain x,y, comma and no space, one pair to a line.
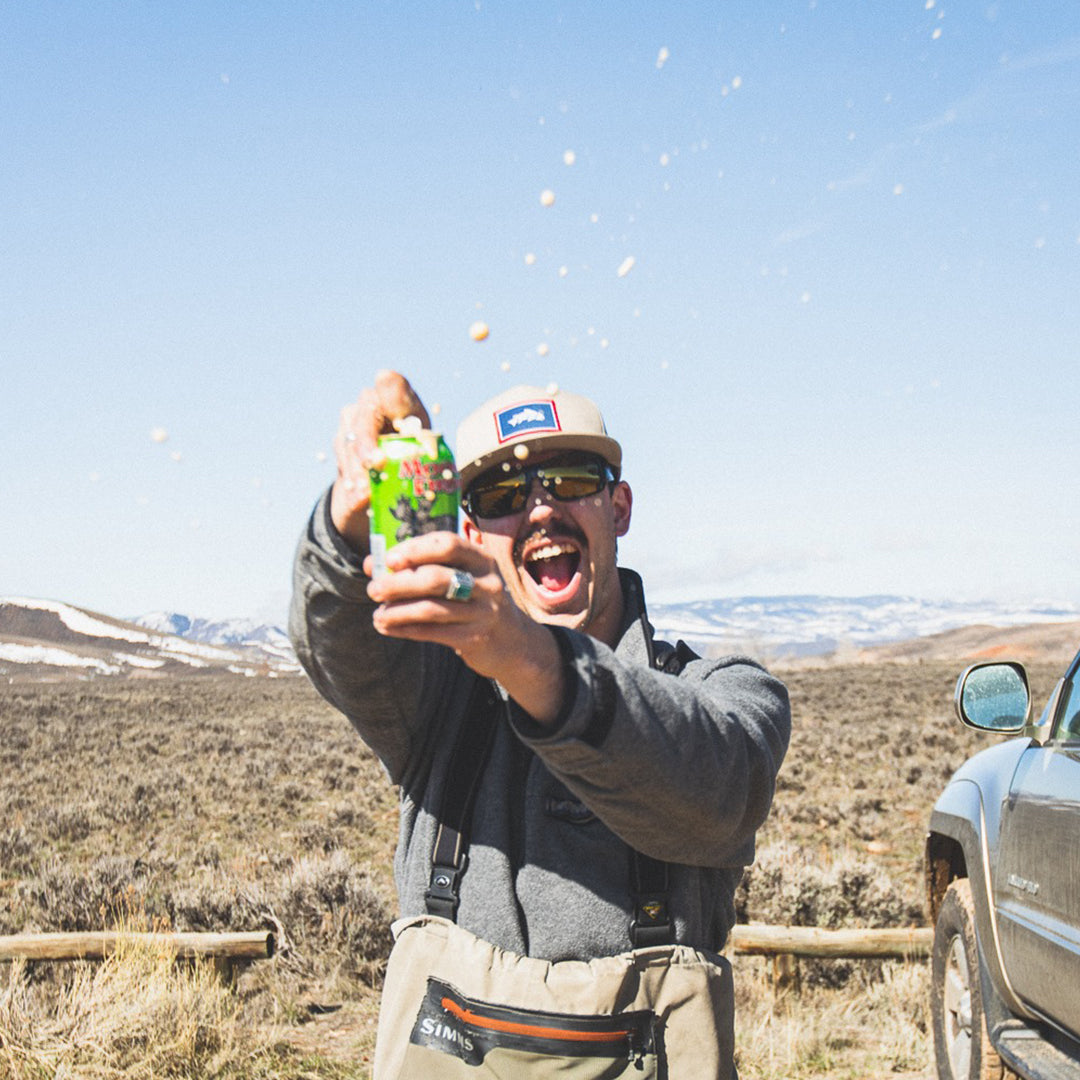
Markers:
602,445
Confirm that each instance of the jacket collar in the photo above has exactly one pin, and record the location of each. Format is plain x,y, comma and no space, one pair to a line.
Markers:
635,633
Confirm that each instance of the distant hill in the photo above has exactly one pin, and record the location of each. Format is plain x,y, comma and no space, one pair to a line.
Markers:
45,639
1054,643
789,628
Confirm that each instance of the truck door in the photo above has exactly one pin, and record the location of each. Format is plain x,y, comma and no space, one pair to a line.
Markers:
1037,885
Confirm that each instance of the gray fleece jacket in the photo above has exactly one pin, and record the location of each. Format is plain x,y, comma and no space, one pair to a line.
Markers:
682,768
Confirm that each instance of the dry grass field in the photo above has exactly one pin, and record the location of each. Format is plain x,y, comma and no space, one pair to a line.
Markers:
232,804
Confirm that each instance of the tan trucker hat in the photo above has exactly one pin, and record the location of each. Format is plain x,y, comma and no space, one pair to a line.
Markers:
529,416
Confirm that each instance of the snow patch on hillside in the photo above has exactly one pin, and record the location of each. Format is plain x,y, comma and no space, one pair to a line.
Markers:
14,653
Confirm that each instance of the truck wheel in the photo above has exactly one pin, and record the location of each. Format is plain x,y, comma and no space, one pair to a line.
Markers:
962,1049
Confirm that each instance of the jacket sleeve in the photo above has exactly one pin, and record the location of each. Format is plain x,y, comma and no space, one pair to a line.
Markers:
388,689
681,768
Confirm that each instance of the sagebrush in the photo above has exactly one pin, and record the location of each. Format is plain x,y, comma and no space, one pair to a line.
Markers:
240,804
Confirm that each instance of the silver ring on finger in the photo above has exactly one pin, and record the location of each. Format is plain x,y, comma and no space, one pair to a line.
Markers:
461,586
350,436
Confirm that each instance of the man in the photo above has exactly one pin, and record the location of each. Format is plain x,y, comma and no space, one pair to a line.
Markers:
617,794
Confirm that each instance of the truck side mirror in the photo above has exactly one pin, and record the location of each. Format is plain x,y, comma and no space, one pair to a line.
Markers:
994,697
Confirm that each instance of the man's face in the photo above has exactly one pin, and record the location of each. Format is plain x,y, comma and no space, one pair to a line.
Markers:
557,557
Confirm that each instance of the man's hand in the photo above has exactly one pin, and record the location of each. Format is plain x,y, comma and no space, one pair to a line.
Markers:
356,447
488,631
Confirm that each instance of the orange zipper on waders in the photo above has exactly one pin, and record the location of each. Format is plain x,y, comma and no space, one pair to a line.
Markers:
539,1031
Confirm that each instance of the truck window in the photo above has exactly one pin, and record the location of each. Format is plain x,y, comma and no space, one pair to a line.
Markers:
1068,727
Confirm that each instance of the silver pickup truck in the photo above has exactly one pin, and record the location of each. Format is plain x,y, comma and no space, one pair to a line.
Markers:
1003,883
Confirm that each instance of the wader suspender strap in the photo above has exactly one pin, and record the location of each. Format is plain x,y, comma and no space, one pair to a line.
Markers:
649,877
652,920
450,854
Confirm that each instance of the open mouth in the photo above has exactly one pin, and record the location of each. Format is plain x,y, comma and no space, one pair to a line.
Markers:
553,565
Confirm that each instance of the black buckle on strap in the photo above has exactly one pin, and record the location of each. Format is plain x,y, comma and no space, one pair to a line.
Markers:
652,922
651,883
441,897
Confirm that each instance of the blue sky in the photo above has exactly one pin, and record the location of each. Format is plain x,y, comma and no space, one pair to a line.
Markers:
844,360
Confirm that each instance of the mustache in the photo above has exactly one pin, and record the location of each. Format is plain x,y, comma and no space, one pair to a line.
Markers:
566,530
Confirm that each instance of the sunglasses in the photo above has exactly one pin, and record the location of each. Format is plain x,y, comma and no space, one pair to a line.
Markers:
501,492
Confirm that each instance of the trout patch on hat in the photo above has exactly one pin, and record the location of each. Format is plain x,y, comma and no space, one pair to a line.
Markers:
526,418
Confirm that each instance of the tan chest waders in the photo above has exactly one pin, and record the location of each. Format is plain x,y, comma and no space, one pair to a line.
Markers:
455,1007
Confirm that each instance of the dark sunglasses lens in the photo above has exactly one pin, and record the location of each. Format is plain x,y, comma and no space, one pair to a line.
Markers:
568,482
499,498
506,494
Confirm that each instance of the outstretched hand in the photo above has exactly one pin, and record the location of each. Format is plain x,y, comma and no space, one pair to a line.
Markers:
491,634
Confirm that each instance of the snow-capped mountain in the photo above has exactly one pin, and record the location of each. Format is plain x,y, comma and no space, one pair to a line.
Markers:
49,639
796,626
780,626
248,633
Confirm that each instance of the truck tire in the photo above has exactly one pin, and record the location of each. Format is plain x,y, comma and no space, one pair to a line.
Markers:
962,1049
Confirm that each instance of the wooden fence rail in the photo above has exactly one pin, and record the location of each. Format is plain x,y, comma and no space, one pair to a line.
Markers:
96,945
909,943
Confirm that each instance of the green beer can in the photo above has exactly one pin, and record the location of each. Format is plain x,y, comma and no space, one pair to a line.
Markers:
417,490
